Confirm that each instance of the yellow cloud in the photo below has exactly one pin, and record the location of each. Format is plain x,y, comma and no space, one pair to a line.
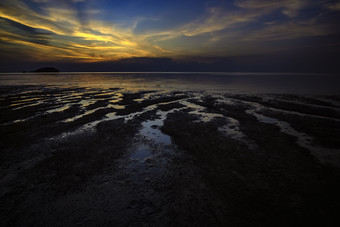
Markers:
95,39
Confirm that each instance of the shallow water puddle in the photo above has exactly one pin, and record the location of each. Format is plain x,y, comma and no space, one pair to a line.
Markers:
151,130
29,105
206,117
285,127
147,96
231,129
22,120
87,102
328,103
115,100
192,105
118,107
156,140
23,101
81,115
141,153
324,155
200,111
331,101
259,106
88,112
107,94
91,125
59,109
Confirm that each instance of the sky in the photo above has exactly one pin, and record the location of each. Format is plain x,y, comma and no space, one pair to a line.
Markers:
235,35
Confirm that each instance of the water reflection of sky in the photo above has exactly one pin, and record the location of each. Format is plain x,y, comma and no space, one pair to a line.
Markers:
224,82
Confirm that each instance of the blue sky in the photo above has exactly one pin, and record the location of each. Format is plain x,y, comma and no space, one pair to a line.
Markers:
104,30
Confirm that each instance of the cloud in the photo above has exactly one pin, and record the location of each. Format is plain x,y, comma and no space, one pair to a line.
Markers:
14,29
287,7
19,12
333,6
208,26
292,30
67,34
67,1
228,20
217,20
74,30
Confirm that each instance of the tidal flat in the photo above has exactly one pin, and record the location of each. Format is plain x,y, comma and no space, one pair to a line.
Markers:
140,157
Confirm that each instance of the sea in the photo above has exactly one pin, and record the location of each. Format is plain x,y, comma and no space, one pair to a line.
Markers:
226,82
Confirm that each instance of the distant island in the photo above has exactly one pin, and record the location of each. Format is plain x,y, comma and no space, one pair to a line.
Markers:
46,69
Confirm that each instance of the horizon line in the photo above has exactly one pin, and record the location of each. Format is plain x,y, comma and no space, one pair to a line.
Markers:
177,72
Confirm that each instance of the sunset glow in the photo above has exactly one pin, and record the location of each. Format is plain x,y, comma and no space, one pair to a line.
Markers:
95,31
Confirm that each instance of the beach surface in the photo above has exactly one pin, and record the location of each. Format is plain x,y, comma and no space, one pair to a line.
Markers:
113,156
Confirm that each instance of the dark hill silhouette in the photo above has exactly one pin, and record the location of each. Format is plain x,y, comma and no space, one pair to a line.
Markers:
46,69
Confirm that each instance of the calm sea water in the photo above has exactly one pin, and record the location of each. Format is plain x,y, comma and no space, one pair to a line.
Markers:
223,82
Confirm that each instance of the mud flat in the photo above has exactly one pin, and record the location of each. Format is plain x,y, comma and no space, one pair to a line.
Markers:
123,157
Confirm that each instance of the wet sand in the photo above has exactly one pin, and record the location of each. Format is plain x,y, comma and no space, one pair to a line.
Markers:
123,157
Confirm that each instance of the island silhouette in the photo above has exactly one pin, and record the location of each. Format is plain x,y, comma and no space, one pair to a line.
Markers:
46,69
